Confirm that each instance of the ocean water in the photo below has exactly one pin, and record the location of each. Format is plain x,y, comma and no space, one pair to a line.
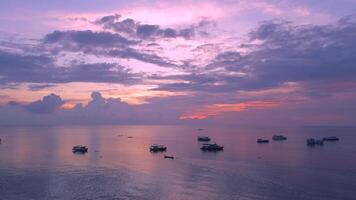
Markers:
37,163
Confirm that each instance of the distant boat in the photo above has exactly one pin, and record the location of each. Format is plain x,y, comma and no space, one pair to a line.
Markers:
80,149
203,139
200,129
331,138
129,137
262,140
212,147
157,148
312,142
169,157
279,137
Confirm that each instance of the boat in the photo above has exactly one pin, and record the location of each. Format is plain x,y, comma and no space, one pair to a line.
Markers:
262,140
80,149
203,139
312,142
319,142
212,147
200,129
157,148
279,137
331,138
169,157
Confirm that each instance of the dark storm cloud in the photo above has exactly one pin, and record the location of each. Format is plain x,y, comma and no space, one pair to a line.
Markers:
285,53
150,31
20,68
47,105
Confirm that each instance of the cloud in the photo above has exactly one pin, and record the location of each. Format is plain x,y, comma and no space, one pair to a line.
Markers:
36,87
279,52
111,45
98,72
21,68
318,60
15,67
178,110
99,110
47,105
150,31
83,39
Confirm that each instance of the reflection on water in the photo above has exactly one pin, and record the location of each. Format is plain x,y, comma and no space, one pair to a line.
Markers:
37,163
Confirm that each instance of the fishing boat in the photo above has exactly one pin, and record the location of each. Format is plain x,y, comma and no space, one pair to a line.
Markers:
80,149
331,138
312,142
212,147
157,148
279,137
169,157
203,139
262,140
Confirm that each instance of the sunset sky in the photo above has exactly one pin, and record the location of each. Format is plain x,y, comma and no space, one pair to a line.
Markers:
178,62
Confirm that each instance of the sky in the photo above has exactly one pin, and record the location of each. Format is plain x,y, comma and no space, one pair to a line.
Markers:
178,62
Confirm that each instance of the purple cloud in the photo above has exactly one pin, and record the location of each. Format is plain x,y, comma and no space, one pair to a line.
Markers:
150,31
47,105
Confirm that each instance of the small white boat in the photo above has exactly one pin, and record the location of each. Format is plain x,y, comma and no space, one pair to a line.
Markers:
80,149
156,148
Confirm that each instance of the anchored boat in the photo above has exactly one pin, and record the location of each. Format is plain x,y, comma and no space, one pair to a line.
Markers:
212,147
331,138
169,157
312,142
157,148
80,149
262,140
279,137
203,139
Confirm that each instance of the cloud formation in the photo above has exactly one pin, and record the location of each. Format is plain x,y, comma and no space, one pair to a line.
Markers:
21,68
280,52
136,29
280,65
47,105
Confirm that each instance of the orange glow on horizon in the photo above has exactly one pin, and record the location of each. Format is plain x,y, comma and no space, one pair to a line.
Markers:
68,106
216,109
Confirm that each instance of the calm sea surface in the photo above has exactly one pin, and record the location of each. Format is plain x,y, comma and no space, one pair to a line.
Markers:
37,163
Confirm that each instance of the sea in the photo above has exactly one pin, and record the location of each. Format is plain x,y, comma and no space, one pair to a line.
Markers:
37,162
